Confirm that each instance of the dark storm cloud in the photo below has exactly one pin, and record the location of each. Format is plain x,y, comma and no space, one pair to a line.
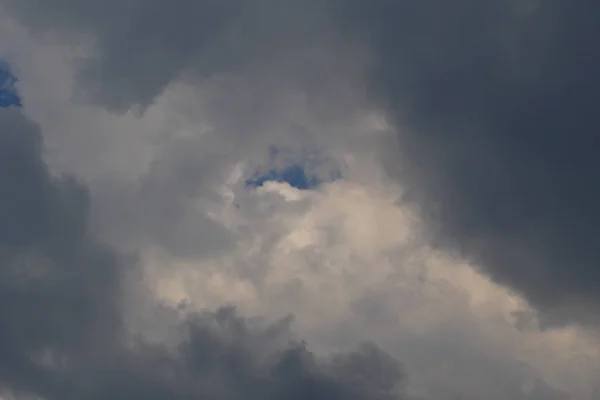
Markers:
500,133
142,46
61,334
57,285
223,356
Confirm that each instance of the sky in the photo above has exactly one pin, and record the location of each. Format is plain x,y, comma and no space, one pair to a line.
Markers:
9,97
285,199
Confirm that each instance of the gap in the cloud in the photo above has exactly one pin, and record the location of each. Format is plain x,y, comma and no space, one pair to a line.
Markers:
302,171
9,96
294,175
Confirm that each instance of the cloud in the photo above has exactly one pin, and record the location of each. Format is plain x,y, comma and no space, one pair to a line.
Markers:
401,107
495,105
61,316
62,330
59,286
351,247
231,64
158,43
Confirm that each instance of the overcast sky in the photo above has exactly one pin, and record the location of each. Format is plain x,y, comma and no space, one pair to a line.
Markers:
285,199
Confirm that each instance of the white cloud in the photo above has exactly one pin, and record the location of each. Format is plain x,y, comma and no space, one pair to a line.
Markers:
353,263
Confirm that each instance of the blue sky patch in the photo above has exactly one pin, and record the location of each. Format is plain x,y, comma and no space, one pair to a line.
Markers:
294,175
9,97
302,168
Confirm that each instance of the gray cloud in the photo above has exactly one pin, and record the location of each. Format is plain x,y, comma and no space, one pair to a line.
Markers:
256,66
493,102
224,356
162,207
140,47
61,329
496,106
58,285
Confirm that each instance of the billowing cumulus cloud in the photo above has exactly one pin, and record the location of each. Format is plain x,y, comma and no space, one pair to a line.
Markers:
440,203
62,329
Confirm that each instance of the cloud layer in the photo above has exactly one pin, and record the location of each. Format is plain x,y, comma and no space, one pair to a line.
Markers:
451,220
